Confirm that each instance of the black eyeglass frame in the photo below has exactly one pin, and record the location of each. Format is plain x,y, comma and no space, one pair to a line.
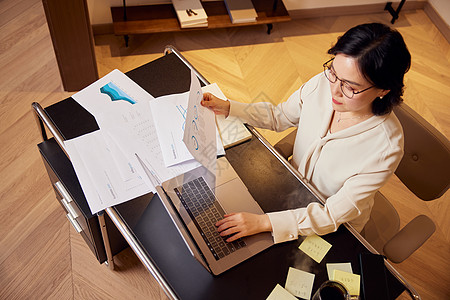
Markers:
326,67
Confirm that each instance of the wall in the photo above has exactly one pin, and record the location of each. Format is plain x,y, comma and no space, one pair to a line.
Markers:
442,8
99,10
310,4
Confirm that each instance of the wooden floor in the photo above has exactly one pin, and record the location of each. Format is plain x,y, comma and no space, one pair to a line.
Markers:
41,256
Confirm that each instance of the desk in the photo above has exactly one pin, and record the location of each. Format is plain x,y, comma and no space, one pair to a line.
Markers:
151,234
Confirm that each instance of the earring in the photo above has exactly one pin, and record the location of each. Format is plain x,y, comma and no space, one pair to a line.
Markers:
381,97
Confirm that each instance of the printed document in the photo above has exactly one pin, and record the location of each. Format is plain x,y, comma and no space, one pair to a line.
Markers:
106,163
200,128
164,134
97,171
169,114
114,93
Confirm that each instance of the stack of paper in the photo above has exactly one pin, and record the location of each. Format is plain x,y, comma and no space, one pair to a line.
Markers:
134,134
241,11
190,13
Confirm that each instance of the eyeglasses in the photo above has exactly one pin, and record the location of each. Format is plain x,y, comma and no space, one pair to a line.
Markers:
346,89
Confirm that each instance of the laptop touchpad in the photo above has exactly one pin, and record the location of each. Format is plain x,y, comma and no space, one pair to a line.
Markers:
224,172
234,197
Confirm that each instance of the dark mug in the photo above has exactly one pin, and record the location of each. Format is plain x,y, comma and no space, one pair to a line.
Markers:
331,290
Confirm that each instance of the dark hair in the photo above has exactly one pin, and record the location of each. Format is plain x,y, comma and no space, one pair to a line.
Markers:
383,59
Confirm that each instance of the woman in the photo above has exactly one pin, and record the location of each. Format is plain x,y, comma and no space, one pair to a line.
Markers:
348,142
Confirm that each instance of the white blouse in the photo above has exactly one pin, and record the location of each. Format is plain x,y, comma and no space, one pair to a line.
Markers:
347,167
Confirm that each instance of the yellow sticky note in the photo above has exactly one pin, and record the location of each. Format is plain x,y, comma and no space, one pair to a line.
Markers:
299,283
315,247
279,293
349,280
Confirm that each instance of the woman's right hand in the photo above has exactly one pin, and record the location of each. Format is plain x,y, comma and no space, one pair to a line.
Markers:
238,225
217,105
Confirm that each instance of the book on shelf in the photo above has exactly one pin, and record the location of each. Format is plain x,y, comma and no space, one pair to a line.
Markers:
241,11
190,13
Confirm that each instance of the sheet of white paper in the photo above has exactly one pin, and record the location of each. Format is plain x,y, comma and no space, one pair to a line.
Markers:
149,149
232,130
122,111
122,163
96,170
200,129
118,104
86,183
112,93
136,133
126,144
169,115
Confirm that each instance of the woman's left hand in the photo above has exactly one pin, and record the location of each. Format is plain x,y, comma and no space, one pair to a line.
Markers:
217,105
243,224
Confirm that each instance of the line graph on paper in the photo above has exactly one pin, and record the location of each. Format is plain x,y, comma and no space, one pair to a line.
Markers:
182,111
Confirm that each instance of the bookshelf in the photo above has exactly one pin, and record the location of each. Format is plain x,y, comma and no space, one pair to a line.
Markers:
155,18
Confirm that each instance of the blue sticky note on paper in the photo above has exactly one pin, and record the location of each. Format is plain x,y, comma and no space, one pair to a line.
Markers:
115,93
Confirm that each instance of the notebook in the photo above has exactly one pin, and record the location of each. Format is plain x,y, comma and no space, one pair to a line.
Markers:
196,200
241,11
190,13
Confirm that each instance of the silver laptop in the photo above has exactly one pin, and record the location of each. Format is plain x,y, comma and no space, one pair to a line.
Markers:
196,200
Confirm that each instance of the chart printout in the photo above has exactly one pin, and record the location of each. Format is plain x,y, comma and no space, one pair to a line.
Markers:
200,128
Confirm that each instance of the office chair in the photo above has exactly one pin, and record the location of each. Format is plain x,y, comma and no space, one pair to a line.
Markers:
424,170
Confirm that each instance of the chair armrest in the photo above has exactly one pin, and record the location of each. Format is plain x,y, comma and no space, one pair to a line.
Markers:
409,239
286,145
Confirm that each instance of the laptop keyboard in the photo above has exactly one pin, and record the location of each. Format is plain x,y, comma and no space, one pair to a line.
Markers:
201,204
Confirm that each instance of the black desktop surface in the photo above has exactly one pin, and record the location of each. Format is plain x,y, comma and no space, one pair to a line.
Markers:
268,181
275,189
